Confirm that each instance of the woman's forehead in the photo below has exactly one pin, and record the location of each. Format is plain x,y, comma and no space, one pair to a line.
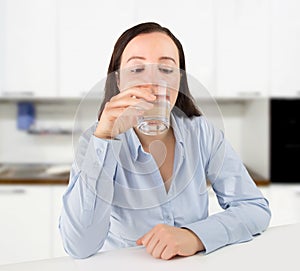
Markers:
151,47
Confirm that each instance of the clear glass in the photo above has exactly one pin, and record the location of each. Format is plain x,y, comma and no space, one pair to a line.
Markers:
157,119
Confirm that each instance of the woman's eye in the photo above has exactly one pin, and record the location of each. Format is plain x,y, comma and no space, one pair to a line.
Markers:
137,70
166,70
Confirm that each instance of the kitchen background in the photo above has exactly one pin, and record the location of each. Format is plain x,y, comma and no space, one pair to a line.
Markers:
53,52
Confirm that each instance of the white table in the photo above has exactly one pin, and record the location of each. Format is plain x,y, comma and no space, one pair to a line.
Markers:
276,249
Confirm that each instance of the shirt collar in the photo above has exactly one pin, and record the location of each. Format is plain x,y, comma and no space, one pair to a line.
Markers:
135,145
177,131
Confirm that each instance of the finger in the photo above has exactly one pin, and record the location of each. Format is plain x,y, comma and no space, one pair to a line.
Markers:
151,245
168,253
114,113
127,116
139,241
138,92
147,237
159,249
129,101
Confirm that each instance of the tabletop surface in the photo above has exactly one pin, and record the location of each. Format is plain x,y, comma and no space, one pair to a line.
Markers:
275,249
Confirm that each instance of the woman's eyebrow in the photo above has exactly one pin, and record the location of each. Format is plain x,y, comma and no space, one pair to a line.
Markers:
143,58
167,58
136,57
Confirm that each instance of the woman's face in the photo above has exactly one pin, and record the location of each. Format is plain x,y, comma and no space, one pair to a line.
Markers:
151,58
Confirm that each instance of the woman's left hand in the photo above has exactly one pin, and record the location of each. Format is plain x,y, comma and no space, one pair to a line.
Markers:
165,242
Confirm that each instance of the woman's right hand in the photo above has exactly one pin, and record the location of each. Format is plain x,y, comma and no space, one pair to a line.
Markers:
121,112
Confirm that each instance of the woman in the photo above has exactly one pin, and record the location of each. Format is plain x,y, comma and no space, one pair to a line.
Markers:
122,193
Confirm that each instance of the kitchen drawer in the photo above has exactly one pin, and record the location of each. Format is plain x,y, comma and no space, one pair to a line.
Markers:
25,228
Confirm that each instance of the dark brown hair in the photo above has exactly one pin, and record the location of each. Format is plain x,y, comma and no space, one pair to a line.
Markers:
184,104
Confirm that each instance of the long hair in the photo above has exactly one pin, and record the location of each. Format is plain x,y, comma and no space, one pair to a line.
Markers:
185,102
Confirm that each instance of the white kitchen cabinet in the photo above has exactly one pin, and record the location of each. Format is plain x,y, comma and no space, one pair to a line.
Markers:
2,14
25,228
57,247
28,49
88,31
192,23
285,38
242,48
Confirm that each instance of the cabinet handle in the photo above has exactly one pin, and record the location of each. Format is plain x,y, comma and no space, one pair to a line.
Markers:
18,93
12,191
249,93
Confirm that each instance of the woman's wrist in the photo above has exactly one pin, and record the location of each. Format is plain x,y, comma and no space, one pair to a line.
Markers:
197,243
104,136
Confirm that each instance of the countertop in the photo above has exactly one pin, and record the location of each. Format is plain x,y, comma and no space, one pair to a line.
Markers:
14,173
275,249
17,173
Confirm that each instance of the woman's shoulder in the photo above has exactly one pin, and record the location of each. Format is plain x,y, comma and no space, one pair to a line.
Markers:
199,128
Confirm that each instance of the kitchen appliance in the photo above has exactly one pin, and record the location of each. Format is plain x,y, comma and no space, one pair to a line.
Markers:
285,140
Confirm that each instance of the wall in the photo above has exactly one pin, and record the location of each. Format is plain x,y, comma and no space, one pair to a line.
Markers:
233,115
19,146
256,136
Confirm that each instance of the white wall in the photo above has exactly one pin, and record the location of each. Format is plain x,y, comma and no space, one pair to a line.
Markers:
256,136
246,127
233,114
18,146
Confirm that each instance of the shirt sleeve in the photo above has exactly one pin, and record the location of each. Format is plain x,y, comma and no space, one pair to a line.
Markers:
84,220
246,212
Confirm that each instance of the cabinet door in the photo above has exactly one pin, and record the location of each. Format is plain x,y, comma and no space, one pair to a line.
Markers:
88,31
25,223
2,14
242,48
29,48
192,24
57,246
285,37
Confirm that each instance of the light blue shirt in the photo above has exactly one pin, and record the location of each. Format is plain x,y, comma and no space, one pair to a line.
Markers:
116,193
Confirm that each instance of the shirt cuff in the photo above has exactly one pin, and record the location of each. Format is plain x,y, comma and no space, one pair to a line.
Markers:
96,154
211,232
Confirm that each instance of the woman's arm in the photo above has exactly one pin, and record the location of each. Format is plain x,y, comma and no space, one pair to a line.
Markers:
84,220
246,210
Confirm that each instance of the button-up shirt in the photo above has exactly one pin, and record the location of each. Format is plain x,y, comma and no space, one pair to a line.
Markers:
116,193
